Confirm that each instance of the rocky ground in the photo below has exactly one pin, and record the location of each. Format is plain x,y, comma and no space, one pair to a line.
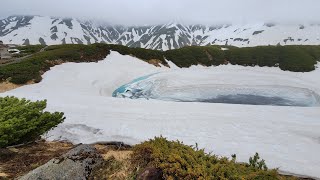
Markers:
63,160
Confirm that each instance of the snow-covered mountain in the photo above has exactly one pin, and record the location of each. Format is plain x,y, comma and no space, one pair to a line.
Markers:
50,30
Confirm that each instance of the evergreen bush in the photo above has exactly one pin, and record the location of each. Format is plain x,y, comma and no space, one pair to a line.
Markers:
179,161
23,121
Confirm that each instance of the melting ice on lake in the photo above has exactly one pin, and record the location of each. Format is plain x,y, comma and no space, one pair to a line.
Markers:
151,87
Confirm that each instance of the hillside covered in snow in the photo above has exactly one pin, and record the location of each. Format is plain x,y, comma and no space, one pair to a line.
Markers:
50,30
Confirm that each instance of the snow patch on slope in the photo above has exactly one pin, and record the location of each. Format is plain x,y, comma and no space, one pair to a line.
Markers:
287,137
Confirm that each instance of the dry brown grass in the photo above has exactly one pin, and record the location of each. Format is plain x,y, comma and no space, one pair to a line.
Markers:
117,163
17,161
7,86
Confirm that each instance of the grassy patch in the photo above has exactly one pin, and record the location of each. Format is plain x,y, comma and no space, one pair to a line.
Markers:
108,170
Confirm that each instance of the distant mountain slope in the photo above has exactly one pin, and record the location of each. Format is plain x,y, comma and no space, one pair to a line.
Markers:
50,30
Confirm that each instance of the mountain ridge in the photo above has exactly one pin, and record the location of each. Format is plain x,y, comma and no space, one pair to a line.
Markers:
53,30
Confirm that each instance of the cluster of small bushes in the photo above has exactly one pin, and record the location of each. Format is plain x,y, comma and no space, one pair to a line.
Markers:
23,121
178,161
291,58
194,55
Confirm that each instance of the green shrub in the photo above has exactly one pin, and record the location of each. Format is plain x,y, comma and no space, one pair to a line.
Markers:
291,58
255,163
179,161
23,121
294,58
194,55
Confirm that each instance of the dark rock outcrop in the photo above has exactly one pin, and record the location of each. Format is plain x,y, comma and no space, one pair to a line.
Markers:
75,164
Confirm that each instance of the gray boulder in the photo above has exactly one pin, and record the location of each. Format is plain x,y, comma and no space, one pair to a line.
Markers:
76,164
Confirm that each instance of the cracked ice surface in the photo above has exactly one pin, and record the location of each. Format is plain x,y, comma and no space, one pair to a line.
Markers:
172,87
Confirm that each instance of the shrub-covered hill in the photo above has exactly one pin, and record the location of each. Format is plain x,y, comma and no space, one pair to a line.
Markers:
292,58
30,69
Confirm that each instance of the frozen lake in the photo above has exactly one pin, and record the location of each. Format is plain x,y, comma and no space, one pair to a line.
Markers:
154,86
252,100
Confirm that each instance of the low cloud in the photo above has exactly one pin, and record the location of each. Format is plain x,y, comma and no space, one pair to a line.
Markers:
138,12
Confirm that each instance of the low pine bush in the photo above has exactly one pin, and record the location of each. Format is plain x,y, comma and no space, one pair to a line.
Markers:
23,121
178,161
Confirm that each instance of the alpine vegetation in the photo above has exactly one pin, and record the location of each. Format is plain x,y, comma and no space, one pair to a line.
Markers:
23,121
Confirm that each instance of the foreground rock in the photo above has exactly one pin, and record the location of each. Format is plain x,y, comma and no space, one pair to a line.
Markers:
75,164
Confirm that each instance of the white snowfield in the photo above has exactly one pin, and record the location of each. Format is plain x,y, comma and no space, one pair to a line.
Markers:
288,137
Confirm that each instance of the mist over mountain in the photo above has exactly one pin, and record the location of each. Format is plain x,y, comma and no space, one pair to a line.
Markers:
141,12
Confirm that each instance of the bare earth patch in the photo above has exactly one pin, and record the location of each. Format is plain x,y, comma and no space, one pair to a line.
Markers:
17,161
7,86
117,163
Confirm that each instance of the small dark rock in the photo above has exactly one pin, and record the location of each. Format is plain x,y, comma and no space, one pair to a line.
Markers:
150,173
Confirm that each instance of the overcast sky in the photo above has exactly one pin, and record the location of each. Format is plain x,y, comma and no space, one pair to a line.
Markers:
161,11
